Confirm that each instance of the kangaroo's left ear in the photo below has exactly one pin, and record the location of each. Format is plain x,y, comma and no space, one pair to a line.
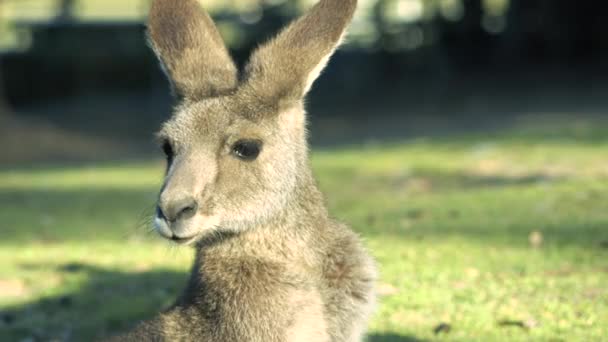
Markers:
285,67
190,49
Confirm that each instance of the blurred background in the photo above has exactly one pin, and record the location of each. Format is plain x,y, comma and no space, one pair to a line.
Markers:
464,140
77,79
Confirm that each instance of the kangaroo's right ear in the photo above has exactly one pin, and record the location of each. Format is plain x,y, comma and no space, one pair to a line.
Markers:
190,49
285,67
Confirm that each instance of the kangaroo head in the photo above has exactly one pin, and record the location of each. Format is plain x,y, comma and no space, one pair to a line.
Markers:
236,144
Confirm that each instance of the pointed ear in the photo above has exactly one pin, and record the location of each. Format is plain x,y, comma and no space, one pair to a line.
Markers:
285,67
190,49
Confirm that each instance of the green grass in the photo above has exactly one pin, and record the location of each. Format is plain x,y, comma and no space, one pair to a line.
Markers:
448,220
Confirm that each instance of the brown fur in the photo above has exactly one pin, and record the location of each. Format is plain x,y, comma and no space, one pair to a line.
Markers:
271,265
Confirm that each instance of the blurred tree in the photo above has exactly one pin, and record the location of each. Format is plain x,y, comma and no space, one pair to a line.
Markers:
4,113
554,31
423,39
65,10
579,28
465,41
4,109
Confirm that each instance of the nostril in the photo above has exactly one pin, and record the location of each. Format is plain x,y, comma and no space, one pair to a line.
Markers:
187,211
178,210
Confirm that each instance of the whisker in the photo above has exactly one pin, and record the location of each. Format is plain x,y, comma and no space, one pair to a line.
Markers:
145,219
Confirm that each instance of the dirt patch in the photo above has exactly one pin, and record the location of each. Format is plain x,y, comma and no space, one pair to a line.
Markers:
12,288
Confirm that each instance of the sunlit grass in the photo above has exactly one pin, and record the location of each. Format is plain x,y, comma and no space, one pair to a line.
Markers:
119,176
496,238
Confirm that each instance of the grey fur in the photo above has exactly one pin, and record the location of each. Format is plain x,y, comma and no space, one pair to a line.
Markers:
271,265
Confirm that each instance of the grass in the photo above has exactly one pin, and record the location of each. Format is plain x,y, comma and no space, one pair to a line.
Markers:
478,238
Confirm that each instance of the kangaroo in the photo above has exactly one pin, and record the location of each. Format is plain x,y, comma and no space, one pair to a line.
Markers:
270,264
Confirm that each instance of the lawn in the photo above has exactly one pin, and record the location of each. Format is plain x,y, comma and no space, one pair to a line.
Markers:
478,237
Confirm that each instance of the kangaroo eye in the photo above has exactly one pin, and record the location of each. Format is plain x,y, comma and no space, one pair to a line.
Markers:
168,150
247,150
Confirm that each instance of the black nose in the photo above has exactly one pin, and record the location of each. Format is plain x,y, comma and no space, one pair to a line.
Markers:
180,209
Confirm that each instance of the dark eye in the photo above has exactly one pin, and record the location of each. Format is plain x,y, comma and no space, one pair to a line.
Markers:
168,150
247,150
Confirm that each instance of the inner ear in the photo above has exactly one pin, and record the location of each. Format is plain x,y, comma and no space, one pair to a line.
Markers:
285,67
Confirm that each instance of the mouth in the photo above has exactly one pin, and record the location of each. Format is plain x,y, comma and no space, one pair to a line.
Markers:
182,240
163,230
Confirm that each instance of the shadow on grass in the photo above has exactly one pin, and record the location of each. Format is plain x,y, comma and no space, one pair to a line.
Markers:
391,338
433,180
445,181
107,302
